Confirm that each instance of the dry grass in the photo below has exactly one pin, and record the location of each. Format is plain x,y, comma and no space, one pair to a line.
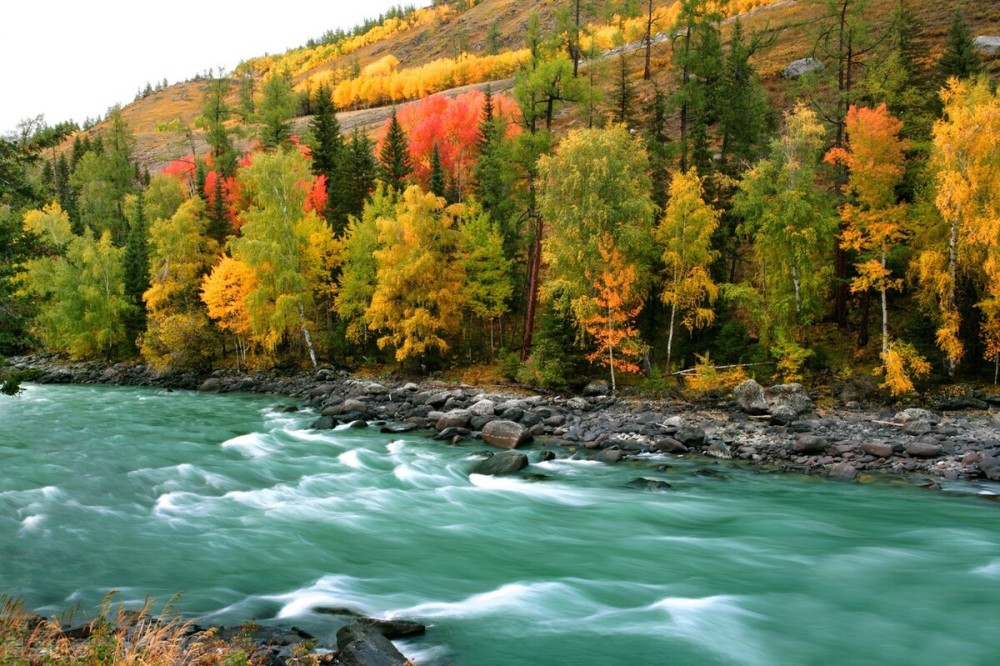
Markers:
116,637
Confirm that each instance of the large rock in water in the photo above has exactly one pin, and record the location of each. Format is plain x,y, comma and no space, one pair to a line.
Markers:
364,645
506,434
508,462
750,397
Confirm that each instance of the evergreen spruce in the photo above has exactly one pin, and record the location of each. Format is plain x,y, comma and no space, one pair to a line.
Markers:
437,182
327,150
959,58
135,264
394,158
355,176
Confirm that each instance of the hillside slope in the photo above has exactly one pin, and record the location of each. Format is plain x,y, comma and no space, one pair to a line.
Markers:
794,23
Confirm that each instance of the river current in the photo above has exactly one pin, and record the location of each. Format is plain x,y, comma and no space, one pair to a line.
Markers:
245,511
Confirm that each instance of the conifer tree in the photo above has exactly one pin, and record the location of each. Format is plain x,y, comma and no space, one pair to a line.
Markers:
959,58
215,112
135,266
327,150
277,106
355,176
394,157
437,181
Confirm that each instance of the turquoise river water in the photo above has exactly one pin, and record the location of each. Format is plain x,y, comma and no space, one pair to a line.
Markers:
252,515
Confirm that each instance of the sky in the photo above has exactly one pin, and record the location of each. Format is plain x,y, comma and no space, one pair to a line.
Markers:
73,59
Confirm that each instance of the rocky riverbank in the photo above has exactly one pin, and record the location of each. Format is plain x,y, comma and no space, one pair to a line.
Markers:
777,428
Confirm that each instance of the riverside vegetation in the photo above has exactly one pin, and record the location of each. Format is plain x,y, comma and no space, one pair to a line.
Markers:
484,229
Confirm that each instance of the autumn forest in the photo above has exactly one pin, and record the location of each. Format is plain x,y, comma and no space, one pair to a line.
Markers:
624,189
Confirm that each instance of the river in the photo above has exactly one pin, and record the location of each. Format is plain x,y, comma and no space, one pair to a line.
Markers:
236,504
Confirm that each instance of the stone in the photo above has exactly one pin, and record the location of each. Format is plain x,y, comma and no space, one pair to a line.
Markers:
324,423
788,399
578,404
596,389
508,462
645,483
210,385
690,436
506,434
546,456
483,408
609,456
810,444
845,471
456,418
361,645
987,45
719,449
924,449
916,428
877,449
915,414
398,428
669,445
351,406
358,424
798,68
750,397
989,467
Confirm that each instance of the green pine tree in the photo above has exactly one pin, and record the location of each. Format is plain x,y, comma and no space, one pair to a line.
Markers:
959,58
327,149
437,182
355,177
135,267
394,158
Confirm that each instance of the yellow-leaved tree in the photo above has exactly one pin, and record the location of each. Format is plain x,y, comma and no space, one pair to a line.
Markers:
291,252
177,334
418,298
967,178
224,292
685,233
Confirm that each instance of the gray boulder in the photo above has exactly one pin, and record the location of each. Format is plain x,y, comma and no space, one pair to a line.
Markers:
788,400
915,414
810,444
924,449
802,67
609,456
877,449
596,388
843,470
506,434
508,462
456,418
987,45
670,445
362,645
483,408
750,397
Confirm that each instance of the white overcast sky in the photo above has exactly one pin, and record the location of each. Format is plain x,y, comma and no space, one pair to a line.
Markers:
70,59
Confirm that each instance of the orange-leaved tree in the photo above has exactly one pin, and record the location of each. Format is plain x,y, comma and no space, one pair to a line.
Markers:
614,308
453,125
874,221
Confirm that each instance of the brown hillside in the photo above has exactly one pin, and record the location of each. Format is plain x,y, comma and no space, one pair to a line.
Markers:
794,21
